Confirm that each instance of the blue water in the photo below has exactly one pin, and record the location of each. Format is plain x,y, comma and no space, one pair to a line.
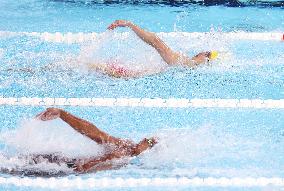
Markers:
193,142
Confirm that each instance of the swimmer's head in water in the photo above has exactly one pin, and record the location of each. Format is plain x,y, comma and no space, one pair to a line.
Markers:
213,55
151,142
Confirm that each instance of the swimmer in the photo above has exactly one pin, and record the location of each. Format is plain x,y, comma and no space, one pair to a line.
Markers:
117,148
115,69
168,55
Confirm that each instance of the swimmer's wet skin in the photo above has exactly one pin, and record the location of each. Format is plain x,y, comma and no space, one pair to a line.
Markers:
169,56
120,147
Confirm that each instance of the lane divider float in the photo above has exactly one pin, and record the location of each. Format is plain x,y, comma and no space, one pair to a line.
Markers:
146,102
91,183
80,37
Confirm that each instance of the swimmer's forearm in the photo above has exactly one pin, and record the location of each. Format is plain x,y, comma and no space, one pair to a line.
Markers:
169,56
87,128
87,165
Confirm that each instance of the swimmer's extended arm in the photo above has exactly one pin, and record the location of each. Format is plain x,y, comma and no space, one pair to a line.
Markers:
169,56
82,126
152,39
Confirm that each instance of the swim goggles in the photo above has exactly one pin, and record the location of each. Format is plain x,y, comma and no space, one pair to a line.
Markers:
150,142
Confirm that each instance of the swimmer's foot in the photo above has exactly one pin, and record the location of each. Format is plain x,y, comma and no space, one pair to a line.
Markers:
204,57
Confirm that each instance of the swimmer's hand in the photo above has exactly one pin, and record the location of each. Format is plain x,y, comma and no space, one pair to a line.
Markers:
78,167
119,23
49,114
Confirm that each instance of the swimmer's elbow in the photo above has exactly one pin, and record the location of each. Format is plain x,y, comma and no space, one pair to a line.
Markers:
172,58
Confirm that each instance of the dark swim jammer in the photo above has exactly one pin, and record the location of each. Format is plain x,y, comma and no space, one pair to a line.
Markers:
51,158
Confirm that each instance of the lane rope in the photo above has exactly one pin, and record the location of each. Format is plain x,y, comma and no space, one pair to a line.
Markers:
90,183
80,37
146,102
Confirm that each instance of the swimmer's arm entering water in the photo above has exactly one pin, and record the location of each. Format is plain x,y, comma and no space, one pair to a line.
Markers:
150,38
82,126
169,56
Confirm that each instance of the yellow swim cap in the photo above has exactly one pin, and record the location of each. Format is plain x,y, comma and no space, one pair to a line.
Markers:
213,55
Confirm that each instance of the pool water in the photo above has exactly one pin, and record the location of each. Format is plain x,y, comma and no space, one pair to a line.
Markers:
203,142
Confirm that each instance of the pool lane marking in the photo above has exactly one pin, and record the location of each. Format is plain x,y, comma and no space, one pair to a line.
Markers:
89,183
84,37
146,102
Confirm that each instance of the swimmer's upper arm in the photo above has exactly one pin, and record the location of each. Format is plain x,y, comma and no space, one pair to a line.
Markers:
168,55
171,57
185,60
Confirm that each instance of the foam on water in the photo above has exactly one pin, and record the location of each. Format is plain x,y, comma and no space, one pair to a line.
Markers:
191,145
34,136
124,49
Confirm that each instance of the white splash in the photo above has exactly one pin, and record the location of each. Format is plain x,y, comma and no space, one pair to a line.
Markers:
191,148
124,49
2,52
34,136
